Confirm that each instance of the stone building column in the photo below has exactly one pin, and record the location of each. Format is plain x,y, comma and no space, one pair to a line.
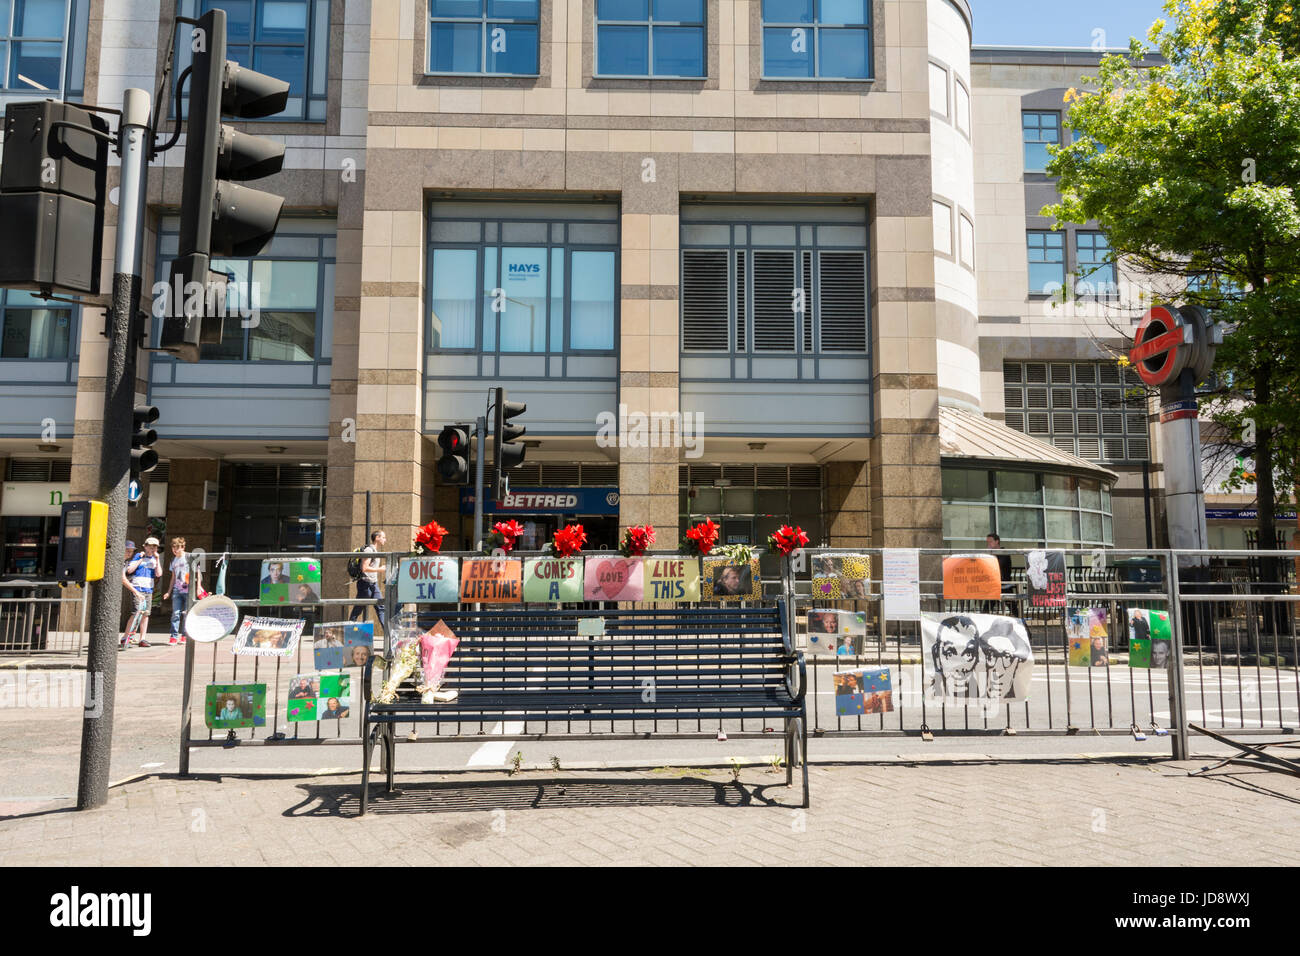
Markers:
848,504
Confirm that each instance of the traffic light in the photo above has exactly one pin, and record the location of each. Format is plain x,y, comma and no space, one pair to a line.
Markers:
143,457
506,452
219,217
453,466
52,189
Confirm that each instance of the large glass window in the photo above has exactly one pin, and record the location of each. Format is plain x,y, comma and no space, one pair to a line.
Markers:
35,53
1046,262
32,328
520,285
287,39
279,306
1089,409
1096,275
773,280
1041,129
822,39
1027,509
489,37
650,38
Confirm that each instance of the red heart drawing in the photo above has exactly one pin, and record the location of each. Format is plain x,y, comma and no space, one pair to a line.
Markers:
612,577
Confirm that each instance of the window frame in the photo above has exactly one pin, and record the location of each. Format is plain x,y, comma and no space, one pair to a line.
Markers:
72,52
480,247
815,28
1094,235
650,23
196,8
1025,143
1030,263
74,328
324,308
996,507
485,21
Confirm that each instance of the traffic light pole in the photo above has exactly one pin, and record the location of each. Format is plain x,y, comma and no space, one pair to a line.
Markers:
480,430
115,446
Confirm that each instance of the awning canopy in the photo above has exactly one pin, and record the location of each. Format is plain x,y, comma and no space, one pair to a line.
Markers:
966,435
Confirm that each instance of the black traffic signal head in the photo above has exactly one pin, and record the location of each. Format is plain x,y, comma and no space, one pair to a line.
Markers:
218,217
52,189
506,452
143,457
453,466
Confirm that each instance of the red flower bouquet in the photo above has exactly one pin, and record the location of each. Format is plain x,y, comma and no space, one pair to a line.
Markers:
636,540
787,539
428,540
701,538
568,541
504,535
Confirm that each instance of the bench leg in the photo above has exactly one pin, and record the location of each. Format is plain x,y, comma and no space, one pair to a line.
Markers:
803,756
390,748
789,751
367,750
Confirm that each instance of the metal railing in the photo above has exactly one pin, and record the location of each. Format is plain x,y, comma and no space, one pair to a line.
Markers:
44,620
1234,668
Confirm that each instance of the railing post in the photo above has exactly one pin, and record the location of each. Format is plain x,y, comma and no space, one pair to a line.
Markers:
1177,697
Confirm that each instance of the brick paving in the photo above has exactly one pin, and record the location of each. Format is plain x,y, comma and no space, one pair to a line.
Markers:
1075,813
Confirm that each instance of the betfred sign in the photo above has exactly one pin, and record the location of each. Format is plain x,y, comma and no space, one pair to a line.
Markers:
535,501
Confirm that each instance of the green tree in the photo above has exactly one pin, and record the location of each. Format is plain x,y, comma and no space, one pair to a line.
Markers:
1188,162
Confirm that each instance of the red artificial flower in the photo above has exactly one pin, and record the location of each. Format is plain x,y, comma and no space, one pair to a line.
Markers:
787,539
429,538
636,540
568,541
702,537
504,535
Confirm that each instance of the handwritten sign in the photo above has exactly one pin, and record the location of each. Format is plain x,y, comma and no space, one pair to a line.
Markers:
901,588
1046,578
672,579
491,580
613,579
972,577
428,580
553,579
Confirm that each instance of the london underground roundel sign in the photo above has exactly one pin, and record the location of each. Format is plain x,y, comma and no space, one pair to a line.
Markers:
1161,345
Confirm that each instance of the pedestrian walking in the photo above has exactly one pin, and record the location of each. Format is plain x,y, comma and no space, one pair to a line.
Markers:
368,582
179,588
140,574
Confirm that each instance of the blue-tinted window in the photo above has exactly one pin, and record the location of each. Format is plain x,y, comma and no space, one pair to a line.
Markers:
34,56
1096,275
287,39
523,286
32,328
279,305
824,39
1040,131
1046,261
650,38
492,37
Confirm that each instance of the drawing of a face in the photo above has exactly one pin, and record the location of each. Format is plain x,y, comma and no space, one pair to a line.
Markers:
1037,572
1004,651
955,652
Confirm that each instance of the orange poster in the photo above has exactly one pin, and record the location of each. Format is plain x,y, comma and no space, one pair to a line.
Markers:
971,577
491,580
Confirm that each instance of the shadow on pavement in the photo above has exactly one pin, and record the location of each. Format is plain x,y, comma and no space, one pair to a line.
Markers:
335,800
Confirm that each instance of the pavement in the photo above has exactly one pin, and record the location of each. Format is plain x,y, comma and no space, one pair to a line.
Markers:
876,800
1097,813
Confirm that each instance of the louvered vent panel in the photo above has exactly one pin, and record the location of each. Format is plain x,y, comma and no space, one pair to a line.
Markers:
1015,420
1114,448
599,474
1013,398
1139,449
1060,374
774,281
1062,398
1012,373
1089,448
843,297
806,284
1062,423
741,476
741,314
1036,398
773,476
1038,424
556,473
704,300
1089,423
805,476
1036,373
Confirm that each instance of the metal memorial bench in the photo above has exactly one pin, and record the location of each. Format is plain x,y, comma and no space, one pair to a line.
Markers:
654,669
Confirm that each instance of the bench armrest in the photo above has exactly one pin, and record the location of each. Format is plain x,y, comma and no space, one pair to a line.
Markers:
797,660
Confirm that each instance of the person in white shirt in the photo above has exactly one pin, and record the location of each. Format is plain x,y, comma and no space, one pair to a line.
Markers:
180,586
139,575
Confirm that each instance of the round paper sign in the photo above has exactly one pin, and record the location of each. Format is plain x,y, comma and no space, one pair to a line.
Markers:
211,619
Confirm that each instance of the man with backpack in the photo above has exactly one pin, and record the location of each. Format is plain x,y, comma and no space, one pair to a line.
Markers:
366,571
139,574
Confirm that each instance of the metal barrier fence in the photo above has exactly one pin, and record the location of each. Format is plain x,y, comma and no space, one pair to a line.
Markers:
46,620
1235,668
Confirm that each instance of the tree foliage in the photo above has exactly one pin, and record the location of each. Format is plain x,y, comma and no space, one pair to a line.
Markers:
1190,166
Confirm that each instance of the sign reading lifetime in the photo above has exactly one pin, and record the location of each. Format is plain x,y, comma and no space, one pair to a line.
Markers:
492,580
428,580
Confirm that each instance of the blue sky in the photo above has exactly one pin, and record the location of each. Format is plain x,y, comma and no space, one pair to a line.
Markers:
1057,23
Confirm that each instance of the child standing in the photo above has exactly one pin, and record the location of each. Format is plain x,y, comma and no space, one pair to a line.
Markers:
180,588
139,575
